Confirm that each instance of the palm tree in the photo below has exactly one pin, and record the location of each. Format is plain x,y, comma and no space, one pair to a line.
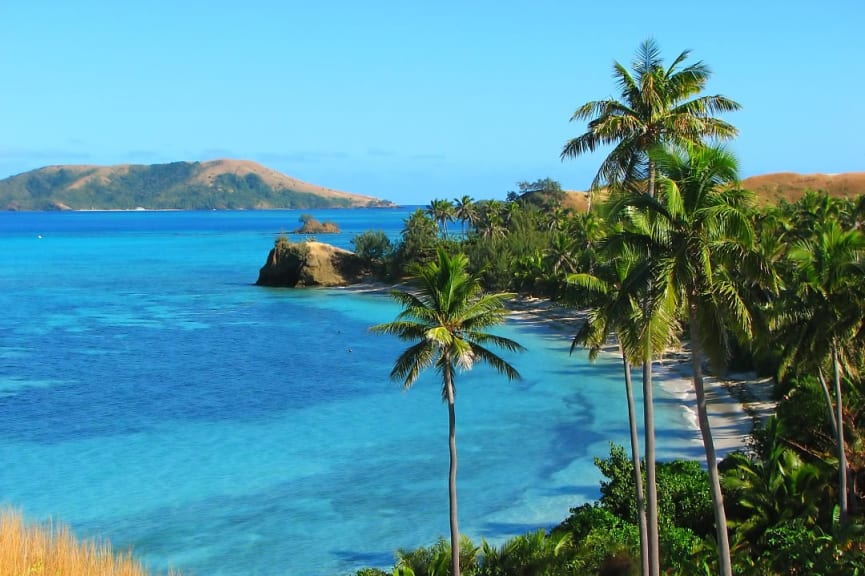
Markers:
701,228
442,211
491,220
617,311
446,320
466,212
820,321
528,554
656,108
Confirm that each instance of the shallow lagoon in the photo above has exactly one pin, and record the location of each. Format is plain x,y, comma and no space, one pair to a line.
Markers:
151,394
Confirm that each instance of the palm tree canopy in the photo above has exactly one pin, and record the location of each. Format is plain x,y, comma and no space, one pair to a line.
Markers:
657,106
826,306
446,318
616,291
696,230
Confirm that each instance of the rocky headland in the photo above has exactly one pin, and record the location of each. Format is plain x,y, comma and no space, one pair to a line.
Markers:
311,264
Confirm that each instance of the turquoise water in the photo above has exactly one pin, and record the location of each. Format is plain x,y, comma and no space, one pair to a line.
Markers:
151,394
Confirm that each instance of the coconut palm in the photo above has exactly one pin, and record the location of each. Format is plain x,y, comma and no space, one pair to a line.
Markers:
466,212
656,108
491,220
700,227
528,554
820,321
442,211
616,311
445,319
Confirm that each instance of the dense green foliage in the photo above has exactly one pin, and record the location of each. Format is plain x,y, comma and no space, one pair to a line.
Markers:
373,246
172,186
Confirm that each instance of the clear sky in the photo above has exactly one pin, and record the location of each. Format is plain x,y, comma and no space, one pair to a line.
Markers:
410,100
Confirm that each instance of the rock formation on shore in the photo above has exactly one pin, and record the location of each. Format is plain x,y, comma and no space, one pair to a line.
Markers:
310,264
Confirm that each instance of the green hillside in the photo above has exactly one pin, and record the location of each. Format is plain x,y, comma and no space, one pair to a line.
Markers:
219,185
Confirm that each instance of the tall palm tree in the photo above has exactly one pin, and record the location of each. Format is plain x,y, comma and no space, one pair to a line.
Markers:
659,105
821,323
466,212
445,319
701,229
656,108
442,211
616,311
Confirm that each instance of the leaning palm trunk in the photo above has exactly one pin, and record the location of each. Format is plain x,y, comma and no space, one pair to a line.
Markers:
635,457
724,561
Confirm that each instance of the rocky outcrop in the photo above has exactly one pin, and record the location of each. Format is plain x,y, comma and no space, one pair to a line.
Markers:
313,226
310,264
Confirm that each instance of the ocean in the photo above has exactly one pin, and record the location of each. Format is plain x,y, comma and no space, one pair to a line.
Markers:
152,395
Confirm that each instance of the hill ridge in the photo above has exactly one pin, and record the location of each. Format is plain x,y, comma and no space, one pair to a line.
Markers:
229,184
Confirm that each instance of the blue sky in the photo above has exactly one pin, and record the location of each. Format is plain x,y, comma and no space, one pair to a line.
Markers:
410,100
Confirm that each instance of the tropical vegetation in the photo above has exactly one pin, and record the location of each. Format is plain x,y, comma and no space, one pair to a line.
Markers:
676,254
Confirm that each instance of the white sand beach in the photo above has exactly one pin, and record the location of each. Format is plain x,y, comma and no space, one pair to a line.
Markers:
736,402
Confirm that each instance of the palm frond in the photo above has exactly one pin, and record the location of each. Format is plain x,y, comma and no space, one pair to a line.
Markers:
495,361
412,362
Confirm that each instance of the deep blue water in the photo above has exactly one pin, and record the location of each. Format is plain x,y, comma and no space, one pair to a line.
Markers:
150,393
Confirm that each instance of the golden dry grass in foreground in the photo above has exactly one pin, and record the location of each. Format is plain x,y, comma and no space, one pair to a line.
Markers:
33,550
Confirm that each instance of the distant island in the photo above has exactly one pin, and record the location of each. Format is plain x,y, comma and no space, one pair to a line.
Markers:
213,185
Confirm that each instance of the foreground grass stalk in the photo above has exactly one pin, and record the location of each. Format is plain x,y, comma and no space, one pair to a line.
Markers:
36,550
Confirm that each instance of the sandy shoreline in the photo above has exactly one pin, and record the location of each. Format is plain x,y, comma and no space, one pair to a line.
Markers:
736,402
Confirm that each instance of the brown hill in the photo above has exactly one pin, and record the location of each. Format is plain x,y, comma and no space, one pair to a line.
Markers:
276,180
789,186
768,188
217,184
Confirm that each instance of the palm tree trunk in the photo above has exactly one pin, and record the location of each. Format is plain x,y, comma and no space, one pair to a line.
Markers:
651,482
828,397
452,476
635,456
652,176
649,424
723,539
839,437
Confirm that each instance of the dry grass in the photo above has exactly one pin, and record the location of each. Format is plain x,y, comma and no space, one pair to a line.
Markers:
769,189
213,168
772,188
51,550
